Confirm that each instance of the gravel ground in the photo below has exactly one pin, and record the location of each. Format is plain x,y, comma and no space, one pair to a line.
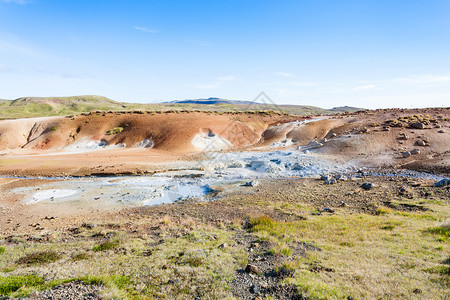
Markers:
75,290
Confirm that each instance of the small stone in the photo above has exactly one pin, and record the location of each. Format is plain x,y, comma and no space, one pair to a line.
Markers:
367,185
330,181
404,136
441,131
415,151
251,183
417,125
442,182
421,143
328,210
223,246
173,281
251,269
342,178
255,289
333,135
406,154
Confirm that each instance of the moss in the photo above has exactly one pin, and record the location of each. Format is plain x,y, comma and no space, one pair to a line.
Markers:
11,284
115,130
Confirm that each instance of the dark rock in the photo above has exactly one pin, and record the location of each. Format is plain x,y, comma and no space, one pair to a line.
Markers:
406,154
442,182
415,151
255,289
251,269
328,210
417,125
223,246
421,143
368,185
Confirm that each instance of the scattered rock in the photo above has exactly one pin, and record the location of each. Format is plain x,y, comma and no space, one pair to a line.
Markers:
223,246
251,183
251,269
441,131
330,181
368,185
406,154
342,178
403,136
417,125
255,289
421,143
415,151
73,290
328,210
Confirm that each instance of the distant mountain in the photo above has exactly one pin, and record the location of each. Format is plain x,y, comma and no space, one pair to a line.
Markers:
340,109
214,100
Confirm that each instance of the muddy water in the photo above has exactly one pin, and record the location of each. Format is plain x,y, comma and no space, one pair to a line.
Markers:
229,171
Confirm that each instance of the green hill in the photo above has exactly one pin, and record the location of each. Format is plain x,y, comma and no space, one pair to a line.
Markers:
27,107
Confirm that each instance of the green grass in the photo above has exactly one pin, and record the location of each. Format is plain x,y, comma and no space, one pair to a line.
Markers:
11,284
2,250
362,249
108,245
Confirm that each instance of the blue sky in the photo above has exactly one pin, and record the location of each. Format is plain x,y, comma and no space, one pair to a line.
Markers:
366,53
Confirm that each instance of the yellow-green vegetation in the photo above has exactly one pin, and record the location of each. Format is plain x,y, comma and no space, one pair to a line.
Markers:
108,245
181,261
115,130
383,256
11,284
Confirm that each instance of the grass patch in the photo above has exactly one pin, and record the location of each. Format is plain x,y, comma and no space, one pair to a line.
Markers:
39,258
443,231
440,270
11,284
108,245
383,211
80,256
2,250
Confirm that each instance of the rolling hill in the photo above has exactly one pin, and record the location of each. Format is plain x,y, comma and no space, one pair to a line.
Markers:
27,107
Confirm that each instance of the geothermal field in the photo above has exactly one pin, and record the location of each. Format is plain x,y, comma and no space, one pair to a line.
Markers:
199,204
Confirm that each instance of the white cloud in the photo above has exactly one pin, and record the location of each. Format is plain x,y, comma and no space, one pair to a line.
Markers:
365,87
215,85
145,29
227,78
5,68
21,2
284,74
423,79
303,83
